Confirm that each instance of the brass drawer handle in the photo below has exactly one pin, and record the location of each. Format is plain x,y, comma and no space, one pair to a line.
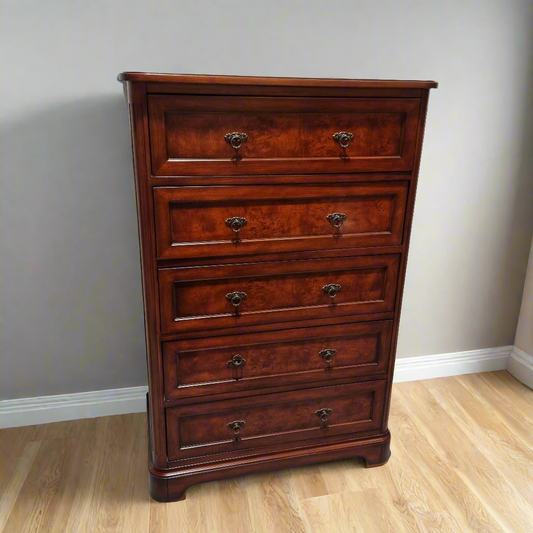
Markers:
236,139
343,138
336,219
332,290
236,223
323,414
236,298
236,361
236,426
328,354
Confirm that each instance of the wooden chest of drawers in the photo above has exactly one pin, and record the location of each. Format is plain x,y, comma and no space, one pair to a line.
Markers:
274,220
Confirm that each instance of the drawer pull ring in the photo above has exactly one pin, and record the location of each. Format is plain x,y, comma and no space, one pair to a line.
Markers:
328,355
236,298
236,139
236,426
343,138
336,219
323,414
236,223
236,361
331,290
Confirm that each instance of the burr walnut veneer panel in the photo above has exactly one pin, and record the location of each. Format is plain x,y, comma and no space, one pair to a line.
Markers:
215,365
197,297
218,221
291,135
196,430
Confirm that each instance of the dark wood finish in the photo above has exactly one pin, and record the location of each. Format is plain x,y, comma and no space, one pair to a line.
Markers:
198,430
199,367
208,79
286,325
195,298
285,256
170,485
285,135
285,179
191,221
136,96
281,179
273,90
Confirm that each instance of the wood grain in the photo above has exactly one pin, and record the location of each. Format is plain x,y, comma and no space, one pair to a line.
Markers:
197,430
273,81
457,466
195,298
284,135
136,96
484,479
199,367
191,221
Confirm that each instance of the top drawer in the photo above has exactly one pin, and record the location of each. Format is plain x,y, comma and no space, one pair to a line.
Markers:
188,134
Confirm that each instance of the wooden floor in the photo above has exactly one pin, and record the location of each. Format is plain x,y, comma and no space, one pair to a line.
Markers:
462,460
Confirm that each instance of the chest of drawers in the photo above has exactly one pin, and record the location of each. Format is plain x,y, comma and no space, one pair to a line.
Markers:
274,222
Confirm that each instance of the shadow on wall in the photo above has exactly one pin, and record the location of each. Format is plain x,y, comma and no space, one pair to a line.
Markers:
515,252
71,286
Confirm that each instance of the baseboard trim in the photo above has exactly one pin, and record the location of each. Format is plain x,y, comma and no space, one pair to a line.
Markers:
520,365
451,364
45,409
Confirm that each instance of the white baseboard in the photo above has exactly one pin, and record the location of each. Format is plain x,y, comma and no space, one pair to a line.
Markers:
45,409
520,365
451,364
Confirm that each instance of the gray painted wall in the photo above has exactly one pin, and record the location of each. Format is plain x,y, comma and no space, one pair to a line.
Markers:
71,310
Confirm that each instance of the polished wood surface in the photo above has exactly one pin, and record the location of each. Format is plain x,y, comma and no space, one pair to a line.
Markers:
197,430
202,367
90,475
282,90
191,221
136,97
195,298
291,135
330,83
294,227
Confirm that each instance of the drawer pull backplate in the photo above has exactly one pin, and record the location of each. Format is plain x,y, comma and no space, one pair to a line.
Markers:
328,354
236,223
236,426
236,298
236,139
236,361
332,289
323,414
336,219
343,138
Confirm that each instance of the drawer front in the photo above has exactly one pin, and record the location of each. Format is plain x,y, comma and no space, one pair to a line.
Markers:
215,365
225,296
283,135
217,221
196,430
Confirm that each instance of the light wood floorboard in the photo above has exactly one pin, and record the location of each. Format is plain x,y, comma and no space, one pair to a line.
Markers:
462,460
